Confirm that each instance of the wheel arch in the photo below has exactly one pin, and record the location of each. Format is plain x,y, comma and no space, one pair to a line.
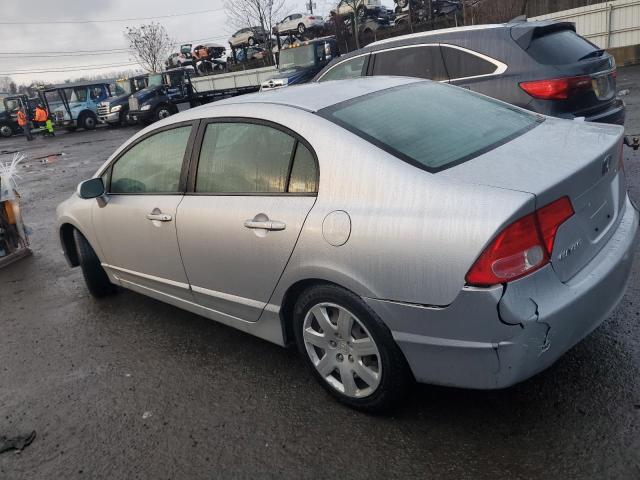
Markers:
68,243
295,289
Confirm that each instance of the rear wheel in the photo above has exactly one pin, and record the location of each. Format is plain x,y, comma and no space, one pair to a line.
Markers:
301,29
350,351
95,277
251,41
362,13
5,130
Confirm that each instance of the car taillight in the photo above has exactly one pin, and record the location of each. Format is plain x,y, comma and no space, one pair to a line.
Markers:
522,247
312,18
557,88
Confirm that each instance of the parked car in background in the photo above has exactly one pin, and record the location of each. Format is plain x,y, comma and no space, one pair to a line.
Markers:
182,59
543,66
298,23
501,237
363,9
248,36
299,62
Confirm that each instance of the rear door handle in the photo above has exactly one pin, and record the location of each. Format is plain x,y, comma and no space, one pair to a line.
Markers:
160,217
268,225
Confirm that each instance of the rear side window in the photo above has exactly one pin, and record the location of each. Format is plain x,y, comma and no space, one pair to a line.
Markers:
348,69
559,47
431,125
304,173
462,64
244,158
421,62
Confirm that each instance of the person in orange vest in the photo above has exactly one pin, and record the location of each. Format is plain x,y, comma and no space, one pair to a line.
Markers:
42,119
23,122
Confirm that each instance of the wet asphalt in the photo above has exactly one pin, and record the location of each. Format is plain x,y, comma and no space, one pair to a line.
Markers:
131,388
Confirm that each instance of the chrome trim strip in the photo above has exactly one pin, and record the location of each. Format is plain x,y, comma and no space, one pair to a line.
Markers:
166,281
228,297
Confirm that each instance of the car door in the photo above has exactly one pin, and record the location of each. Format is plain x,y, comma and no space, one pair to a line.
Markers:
136,227
251,187
285,25
421,61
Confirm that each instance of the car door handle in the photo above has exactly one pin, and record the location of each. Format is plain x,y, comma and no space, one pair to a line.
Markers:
268,225
160,217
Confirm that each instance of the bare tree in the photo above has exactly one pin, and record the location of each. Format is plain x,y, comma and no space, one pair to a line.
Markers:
150,44
354,7
256,13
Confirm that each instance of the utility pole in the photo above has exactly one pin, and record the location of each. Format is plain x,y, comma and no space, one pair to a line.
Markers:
310,6
410,14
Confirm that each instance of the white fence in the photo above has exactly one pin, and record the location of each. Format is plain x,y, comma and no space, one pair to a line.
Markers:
608,25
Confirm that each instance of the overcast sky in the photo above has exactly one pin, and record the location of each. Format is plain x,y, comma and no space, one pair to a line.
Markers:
106,37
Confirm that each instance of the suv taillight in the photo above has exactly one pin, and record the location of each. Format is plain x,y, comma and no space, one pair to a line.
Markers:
557,88
522,247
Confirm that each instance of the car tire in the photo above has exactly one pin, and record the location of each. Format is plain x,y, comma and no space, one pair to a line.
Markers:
362,13
388,377
87,121
251,42
301,29
5,130
402,3
95,277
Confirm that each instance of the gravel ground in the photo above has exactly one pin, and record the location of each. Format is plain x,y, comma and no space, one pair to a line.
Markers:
128,387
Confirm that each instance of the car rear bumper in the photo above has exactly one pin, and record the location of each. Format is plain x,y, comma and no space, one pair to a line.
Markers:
614,114
495,337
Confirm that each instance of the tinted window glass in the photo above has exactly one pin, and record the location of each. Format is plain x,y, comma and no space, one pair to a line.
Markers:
304,175
462,64
421,62
153,165
348,69
560,47
430,124
243,158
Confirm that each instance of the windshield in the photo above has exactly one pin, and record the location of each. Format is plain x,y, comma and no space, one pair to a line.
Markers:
53,99
430,125
297,57
123,87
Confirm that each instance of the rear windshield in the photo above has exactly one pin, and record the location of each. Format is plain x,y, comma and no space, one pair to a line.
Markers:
559,47
431,125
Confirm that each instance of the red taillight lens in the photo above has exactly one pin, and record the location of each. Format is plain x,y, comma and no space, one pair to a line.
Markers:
557,88
521,248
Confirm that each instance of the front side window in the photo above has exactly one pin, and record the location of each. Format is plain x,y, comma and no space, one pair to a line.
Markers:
462,64
243,158
431,125
348,69
153,165
421,62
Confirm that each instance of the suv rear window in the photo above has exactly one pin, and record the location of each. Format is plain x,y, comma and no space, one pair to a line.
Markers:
431,125
559,47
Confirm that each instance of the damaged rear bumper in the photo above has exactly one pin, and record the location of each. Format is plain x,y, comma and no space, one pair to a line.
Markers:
495,337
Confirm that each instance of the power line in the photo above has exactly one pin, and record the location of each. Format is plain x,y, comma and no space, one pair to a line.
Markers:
73,53
50,22
63,70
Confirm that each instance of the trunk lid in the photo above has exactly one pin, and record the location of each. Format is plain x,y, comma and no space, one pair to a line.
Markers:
558,158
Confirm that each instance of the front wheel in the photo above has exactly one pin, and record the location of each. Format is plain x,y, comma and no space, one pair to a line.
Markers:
350,351
362,13
5,131
162,112
95,277
251,41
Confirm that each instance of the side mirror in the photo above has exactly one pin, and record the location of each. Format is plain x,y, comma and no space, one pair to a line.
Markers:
92,188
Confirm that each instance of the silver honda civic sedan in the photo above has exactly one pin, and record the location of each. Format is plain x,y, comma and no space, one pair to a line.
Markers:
394,229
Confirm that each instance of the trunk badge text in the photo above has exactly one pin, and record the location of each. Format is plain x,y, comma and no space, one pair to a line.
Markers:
569,250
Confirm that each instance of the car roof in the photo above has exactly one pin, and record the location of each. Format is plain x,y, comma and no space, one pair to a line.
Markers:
316,96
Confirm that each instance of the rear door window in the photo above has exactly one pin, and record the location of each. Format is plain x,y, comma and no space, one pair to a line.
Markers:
421,62
559,47
462,64
351,68
431,125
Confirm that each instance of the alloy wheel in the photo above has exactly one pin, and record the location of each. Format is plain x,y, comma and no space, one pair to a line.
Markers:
342,350
164,113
